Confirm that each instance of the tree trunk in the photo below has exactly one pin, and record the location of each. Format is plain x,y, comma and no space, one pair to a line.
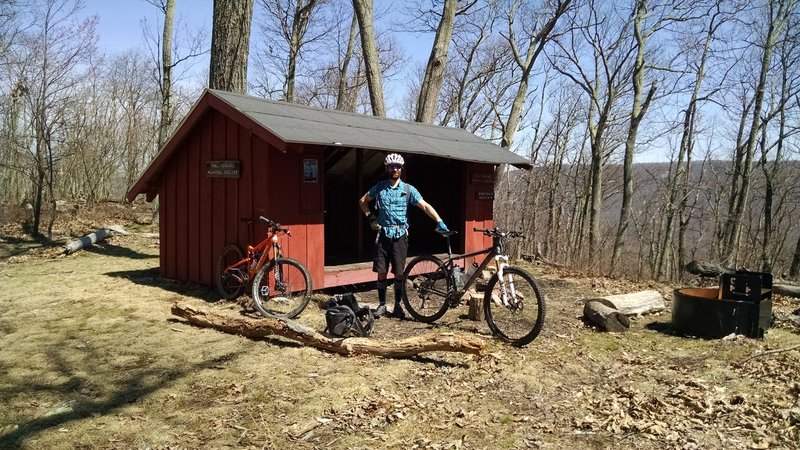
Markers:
434,71
86,241
536,44
342,99
635,303
606,317
705,269
787,290
166,74
363,10
777,23
637,113
230,44
300,20
432,342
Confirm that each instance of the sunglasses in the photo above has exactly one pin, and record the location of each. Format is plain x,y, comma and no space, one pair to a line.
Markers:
394,167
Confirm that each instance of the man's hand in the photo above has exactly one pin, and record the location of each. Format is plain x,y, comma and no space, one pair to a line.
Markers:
441,226
373,222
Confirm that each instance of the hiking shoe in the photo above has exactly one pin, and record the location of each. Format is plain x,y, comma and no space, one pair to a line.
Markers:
397,313
380,311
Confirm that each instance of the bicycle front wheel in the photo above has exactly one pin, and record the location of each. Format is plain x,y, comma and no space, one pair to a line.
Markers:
230,281
425,286
514,306
282,288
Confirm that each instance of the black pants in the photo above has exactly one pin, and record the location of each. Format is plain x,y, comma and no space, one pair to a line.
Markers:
391,251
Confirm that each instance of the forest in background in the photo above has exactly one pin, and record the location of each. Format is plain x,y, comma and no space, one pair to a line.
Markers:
585,89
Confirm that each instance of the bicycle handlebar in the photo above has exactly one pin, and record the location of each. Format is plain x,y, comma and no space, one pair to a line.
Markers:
496,232
274,226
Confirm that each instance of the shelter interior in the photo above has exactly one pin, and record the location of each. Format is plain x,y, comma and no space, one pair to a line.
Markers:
348,173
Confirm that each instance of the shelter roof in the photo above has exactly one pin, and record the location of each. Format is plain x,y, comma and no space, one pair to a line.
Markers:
281,123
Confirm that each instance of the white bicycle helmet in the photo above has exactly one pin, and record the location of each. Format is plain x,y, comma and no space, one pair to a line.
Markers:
393,158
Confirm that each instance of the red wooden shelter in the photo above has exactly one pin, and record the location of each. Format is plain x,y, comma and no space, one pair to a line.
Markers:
237,157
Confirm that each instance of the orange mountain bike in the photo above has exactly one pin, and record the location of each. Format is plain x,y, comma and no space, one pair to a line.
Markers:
280,286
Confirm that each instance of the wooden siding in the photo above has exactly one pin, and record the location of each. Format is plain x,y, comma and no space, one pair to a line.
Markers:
199,215
477,213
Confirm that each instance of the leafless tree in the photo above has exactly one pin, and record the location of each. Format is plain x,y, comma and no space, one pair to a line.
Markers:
290,29
48,59
777,13
609,46
364,14
537,31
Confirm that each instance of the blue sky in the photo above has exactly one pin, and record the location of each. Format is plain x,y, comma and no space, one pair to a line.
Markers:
120,20
120,28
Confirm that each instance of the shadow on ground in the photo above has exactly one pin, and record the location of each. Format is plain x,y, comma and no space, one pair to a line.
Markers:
78,391
107,249
152,277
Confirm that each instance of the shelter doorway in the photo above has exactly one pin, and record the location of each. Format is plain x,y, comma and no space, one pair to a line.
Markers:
349,173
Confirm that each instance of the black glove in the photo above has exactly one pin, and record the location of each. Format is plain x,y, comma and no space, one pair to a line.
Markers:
373,222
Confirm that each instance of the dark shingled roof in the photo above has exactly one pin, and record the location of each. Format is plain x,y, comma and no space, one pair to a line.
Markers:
280,123
295,123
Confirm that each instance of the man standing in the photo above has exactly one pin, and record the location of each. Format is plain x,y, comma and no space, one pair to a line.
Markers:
393,196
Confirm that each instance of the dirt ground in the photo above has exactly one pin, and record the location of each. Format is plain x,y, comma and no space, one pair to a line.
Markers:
90,357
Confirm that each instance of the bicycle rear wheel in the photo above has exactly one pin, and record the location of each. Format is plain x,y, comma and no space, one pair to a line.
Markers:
522,319
230,282
425,286
282,288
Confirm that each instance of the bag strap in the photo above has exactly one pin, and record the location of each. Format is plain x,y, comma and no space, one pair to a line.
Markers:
364,314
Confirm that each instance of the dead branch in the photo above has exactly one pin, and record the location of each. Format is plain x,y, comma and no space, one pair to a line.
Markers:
291,329
770,352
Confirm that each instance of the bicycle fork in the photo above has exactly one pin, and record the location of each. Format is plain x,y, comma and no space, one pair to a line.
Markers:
502,262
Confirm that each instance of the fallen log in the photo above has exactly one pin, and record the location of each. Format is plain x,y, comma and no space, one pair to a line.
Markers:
642,302
605,316
292,329
788,290
86,241
705,269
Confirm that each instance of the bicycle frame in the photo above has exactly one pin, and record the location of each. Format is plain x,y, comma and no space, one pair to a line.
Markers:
255,258
493,253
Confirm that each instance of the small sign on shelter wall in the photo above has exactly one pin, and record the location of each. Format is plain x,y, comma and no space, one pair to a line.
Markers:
481,178
222,169
310,171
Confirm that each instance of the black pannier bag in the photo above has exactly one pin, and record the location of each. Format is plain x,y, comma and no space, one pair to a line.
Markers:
345,317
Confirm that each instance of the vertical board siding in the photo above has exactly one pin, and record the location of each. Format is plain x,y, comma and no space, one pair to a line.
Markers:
246,188
181,214
232,153
217,125
310,215
193,203
478,213
208,251
169,201
162,228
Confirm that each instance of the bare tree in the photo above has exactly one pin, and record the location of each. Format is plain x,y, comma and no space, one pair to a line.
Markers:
437,61
364,13
289,29
678,184
230,45
537,37
602,82
49,57
777,18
